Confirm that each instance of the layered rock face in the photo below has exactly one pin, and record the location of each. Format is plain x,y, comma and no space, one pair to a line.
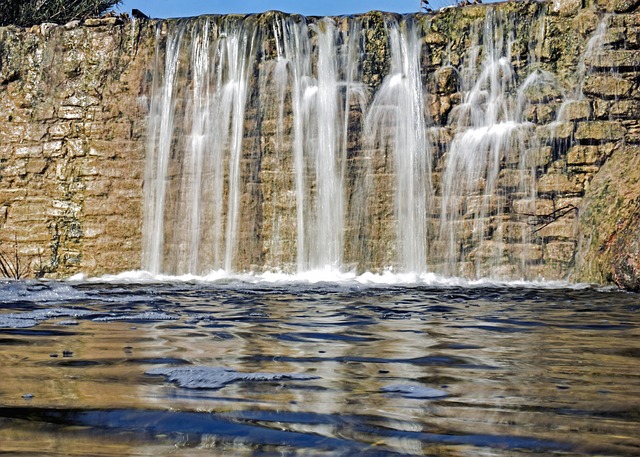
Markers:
486,141
72,142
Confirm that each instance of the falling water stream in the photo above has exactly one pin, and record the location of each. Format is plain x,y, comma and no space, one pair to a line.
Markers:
281,157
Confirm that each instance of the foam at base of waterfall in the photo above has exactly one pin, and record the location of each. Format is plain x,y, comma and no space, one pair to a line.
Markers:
328,276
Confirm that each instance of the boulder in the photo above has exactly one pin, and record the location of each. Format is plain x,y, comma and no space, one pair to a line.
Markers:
626,253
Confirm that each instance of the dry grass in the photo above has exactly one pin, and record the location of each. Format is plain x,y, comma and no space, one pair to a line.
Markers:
30,12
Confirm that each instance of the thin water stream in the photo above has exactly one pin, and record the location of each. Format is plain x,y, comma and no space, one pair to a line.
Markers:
244,366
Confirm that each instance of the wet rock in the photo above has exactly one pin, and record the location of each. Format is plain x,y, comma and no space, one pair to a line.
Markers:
600,131
556,131
560,184
415,391
538,157
618,6
608,248
205,377
86,110
620,59
584,155
576,110
614,109
607,86
446,80
567,7
559,251
626,255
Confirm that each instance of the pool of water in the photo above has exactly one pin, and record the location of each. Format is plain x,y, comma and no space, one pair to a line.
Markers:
236,368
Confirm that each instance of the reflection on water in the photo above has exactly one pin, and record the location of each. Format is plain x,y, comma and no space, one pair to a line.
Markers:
317,369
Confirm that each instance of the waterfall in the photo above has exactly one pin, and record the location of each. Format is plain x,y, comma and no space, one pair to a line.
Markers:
159,148
317,146
195,227
396,121
284,143
489,127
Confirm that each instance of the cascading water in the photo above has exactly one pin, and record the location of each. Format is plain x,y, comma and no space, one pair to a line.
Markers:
397,123
273,147
193,197
489,128
317,146
159,148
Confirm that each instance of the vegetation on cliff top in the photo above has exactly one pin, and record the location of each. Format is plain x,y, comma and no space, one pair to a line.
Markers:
30,12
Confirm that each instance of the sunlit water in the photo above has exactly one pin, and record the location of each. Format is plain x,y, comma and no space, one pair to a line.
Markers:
270,366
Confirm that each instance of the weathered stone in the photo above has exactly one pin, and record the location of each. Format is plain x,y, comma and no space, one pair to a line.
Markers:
16,168
60,130
584,155
72,25
555,131
620,59
559,251
528,252
37,166
566,7
446,80
102,21
539,157
52,148
600,131
618,109
515,231
607,218
558,184
560,229
530,207
436,38
626,260
34,150
75,147
575,110
70,112
8,196
607,86
618,6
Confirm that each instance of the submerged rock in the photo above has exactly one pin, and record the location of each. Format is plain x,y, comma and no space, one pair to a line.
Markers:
145,316
51,313
204,377
9,321
415,391
33,318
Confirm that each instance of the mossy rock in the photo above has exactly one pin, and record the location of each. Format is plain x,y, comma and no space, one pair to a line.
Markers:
626,253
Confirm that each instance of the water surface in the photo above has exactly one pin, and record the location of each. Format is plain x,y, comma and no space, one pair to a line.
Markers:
234,368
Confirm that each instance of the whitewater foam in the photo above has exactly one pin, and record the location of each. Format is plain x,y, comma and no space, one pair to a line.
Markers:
327,276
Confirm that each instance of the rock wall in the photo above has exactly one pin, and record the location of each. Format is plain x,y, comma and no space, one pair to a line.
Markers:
73,102
72,142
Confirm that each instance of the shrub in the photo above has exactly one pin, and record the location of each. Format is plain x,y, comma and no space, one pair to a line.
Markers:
30,12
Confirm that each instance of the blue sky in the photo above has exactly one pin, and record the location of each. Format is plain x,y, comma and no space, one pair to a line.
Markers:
183,8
